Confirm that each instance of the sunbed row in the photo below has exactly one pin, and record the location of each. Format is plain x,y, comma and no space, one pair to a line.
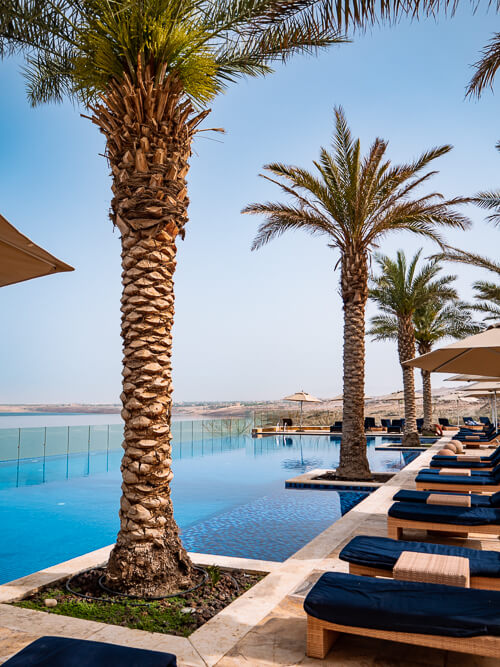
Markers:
421,593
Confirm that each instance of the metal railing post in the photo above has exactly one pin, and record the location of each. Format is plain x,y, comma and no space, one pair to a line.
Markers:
18,456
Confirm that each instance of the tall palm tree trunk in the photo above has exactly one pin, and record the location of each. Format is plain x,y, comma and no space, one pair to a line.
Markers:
354,288
427,399
148,133
406,349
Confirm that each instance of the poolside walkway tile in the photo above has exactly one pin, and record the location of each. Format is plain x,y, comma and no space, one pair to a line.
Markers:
12,642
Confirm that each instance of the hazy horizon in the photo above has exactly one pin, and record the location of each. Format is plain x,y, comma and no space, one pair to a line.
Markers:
247,325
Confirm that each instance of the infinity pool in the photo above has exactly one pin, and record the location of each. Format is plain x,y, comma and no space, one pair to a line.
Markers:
228,495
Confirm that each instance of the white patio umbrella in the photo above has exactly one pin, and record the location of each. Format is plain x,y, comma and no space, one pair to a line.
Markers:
302,397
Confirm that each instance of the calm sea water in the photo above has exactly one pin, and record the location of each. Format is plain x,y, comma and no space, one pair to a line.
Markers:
36,419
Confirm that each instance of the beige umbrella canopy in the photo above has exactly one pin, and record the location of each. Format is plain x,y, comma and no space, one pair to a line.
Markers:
21,259
475,354
471,378
302,397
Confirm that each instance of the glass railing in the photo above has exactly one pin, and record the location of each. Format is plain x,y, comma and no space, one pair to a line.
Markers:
39,455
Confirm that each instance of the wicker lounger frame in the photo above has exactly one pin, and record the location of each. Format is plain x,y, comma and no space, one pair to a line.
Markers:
487,583
395,528
465,488
321,636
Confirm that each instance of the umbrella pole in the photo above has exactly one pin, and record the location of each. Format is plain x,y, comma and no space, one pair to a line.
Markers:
300,414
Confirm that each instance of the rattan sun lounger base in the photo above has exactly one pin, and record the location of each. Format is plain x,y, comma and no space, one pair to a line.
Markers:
396,526
485,583
321,636
458,488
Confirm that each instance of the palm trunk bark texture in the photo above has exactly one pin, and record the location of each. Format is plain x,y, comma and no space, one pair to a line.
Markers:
406,350
353,463
148,125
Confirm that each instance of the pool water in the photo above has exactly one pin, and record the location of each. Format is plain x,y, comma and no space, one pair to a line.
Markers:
228,493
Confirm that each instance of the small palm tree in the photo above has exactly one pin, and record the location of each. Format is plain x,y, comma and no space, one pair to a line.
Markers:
435,321
403,294
355,202
147,70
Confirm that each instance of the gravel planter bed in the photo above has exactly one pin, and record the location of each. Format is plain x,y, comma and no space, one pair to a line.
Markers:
179,615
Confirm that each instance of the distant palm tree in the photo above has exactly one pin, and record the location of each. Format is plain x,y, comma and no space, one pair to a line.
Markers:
435,321
147,70
355,202
405,294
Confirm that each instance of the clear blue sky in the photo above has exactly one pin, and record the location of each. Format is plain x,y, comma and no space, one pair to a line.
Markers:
248,325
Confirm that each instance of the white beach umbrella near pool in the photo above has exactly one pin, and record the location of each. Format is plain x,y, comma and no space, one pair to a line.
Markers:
302,397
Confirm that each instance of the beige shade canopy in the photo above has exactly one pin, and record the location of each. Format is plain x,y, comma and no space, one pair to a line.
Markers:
475,354
471,378
302,397
21,259
482,387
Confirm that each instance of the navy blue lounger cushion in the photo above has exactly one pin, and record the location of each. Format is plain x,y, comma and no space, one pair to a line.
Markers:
403,606
455,479
462,516
63,652
476,500
383,552
468,465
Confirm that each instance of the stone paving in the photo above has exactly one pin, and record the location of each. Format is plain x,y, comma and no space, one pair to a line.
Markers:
267,625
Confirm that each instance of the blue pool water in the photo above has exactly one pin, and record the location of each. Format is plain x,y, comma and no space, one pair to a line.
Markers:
228,495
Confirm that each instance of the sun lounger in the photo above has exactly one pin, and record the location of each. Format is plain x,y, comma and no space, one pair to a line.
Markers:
386,423
396,426
460,521
370,423
430,479
63,652
434,615
475,499
377,556
336,428
465,461
495,455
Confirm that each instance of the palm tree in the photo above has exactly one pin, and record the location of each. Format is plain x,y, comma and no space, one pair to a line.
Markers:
404,294
147,70
355,202
435,321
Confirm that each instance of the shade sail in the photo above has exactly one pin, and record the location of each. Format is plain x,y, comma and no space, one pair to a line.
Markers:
478,354
21,259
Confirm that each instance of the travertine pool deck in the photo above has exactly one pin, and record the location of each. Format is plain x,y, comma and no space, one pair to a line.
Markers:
264,627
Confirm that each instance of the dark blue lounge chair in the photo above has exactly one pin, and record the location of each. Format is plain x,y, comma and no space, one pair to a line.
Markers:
449,462
63,652
396,426
408,612
476,499
382,553
336,428
429,479
453,457
444,421
485,421
420,425
461,516
370,423
386,423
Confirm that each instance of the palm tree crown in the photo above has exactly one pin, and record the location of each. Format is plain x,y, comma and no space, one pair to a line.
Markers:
79,47
356,201
405,294
400,290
